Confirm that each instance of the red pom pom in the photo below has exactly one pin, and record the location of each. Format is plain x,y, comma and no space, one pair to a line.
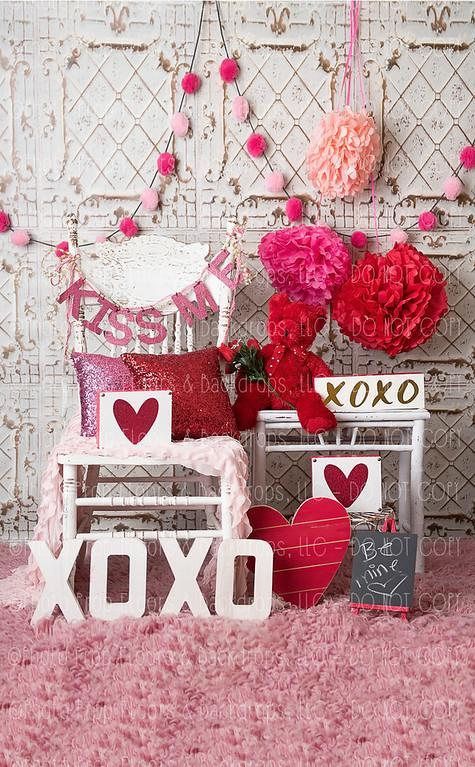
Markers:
467,157
229,70
166,163
128,227
62,248
359,240
294,209
190,82
427,221
4,221
256,145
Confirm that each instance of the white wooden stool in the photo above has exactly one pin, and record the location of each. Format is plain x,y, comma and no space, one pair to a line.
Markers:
403,432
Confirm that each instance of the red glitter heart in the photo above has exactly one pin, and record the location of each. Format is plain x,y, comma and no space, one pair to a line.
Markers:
346,489
308,552
135,425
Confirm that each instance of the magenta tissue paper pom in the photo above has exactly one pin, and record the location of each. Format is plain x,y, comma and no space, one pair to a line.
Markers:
452,187
149,199
275,182
294,208
4,221
179,124
359,240
20,237
308,263
128,227
62,249
240,108
166,163
190,82
427,221
398,236
229,70
256,145
343,153
467,157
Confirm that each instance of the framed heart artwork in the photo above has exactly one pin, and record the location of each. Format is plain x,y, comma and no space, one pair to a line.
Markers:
353,480
141,419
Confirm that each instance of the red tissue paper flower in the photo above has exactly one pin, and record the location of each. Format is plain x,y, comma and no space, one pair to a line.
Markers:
4,221
391,302
128,227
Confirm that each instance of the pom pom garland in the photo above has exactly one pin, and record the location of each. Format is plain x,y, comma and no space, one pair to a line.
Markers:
275,182
4,221
229,70
398,236
149,199
101,238
294,209
359,240
427,221
20,238
467,157
179,124
256,145
166,163
452,187
343,153
191,82
240,109
128,227
62,249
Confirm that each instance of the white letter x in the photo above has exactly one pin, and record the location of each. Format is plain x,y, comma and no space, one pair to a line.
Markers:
185,569
56,572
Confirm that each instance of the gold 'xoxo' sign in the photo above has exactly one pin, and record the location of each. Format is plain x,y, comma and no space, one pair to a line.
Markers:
374,392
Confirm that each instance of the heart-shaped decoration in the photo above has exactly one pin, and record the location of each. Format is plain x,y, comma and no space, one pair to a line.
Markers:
308,551
135,425
346,489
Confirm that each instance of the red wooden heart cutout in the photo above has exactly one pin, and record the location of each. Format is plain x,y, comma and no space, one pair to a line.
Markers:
307,552
135,425
346,489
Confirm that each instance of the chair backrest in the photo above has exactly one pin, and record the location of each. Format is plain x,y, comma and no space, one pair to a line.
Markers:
147,271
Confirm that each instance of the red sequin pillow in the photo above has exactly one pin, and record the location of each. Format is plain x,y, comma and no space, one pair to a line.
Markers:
200,402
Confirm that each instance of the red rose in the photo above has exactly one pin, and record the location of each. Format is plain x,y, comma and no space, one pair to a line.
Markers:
229,352
253,343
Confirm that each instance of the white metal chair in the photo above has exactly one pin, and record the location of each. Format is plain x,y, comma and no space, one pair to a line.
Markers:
402,432
141,272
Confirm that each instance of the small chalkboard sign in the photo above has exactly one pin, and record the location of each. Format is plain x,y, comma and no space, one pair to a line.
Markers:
383,570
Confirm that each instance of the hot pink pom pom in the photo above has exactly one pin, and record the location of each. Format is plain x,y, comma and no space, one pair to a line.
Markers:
149,199
128,227
275,182
229,70
398,236
61,249
359,240
4,221
427,221
166,163
343,153
240,108
101,238
256,145
467,157
294,209
20,237
452,187
190,82
179,124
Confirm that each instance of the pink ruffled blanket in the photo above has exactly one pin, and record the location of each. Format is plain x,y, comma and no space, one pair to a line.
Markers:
212,456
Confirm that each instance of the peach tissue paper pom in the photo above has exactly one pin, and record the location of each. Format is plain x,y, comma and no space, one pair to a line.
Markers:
467,157
4,221
294,209
359,240
166,163
275,182
427,221
229,70
61,249
343,153
398,237
149,199
179,124
256,145
452,187
128,227
20,238
240,109
190,82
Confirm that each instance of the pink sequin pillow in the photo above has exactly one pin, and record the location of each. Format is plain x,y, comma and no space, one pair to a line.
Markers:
96,373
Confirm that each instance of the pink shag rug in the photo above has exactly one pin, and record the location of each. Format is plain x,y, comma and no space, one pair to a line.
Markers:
314,687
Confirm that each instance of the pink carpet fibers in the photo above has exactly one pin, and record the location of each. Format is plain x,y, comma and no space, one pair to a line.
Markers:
315,687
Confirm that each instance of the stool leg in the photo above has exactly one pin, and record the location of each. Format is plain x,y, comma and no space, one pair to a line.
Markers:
70,491
259,467
417,499
404,508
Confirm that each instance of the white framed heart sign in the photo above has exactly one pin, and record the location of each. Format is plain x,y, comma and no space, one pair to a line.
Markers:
134,419
353,480
367,394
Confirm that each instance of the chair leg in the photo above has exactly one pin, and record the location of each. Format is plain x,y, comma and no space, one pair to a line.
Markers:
70,490
259,464
404,508
417,498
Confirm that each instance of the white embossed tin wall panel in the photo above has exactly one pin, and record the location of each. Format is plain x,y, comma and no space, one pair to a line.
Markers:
87,91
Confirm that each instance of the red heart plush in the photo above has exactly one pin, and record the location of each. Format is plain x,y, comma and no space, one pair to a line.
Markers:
135,425
307,552
346,489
